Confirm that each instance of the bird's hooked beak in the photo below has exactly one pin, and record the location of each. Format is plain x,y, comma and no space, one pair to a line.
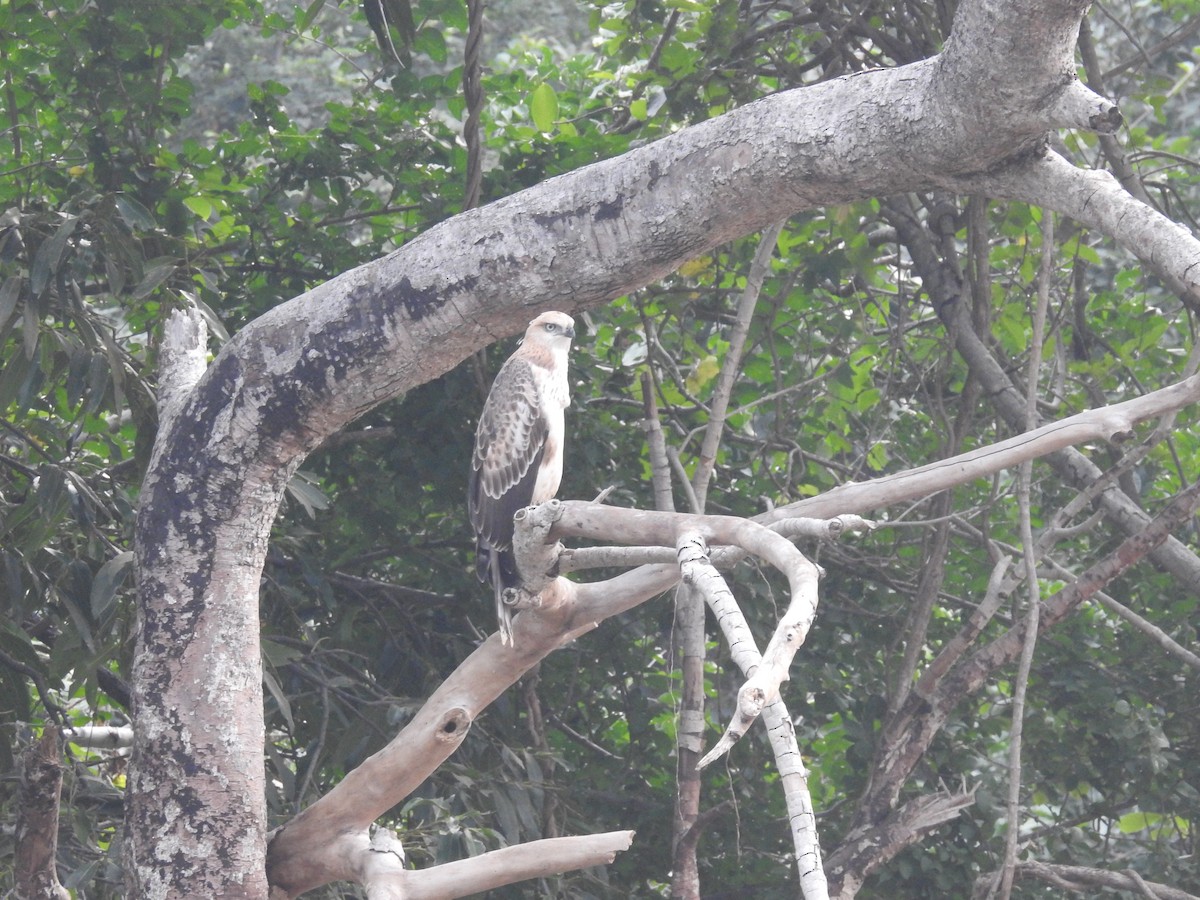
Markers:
569,331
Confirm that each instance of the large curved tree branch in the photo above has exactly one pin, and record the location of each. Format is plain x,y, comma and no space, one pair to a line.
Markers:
307,368
870,845
1096,199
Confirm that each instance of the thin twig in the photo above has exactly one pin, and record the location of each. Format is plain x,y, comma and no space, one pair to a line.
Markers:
1024,486
656,446
732,365
473,94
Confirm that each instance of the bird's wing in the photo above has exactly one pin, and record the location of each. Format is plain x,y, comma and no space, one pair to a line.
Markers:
508,451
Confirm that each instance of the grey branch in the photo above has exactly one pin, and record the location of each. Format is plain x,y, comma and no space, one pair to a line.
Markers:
1083,879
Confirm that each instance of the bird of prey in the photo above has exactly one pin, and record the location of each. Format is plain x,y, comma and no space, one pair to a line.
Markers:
518,458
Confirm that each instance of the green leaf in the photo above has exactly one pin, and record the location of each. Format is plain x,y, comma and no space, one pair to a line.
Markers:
31,327
877,457
304,490
201,206
136,216
75,590
309,15
10,292
706,370
277,654
51,492
108,581
152,279
276,691
15,372
215,325
1133,822
543,107
49,256
432,43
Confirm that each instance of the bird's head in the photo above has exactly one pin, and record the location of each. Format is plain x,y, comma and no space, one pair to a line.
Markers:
551,329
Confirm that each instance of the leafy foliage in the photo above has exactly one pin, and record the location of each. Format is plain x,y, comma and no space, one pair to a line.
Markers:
140,175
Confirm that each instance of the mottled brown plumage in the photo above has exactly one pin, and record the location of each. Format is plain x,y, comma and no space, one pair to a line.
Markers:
518,458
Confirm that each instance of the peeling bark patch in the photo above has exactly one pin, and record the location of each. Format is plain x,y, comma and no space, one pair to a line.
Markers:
179,499
171,630
365,329
488,238
181,513
420,302
655,172
285,411
609,209
601,211
185,760
1031,151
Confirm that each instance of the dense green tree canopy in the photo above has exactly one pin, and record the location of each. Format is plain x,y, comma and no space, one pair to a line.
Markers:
227,156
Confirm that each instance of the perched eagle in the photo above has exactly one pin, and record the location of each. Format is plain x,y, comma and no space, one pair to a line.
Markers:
518,459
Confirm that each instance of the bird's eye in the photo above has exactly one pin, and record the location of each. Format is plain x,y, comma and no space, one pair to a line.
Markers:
551,327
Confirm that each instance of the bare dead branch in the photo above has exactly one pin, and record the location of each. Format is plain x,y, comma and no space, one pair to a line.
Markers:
377,861
302,855
953,650
695,567
578,559
945,287
689,606
100,737
823,529
1082,878
701,577
1113,423
1094,198
731,367
536,859
916,624
1145,626
688,636
867,847
637,526
656,444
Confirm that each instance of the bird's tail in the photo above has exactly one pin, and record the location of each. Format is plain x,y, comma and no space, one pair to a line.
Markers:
497,568
504,613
